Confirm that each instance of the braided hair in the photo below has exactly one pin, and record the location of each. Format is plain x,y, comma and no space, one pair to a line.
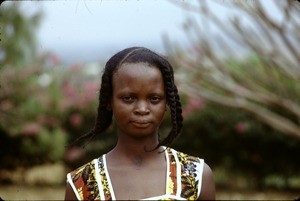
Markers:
136,55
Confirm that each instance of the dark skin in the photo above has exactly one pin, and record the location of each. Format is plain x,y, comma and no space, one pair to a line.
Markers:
138,103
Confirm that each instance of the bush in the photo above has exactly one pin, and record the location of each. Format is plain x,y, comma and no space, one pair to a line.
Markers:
45,105
233,140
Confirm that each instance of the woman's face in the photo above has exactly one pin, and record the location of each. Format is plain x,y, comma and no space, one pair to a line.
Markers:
138,99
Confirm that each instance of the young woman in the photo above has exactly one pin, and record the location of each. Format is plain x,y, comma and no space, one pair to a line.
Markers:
137,88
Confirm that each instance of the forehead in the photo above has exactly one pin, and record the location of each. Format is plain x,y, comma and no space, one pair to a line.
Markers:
136,70
139,76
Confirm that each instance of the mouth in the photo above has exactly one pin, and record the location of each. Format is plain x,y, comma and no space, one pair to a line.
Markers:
140,124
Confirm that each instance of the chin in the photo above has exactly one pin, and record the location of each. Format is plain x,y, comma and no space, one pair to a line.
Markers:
144,135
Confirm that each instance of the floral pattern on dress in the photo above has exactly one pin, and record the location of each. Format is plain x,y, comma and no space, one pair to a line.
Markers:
84,179
103,179
189,174
85,182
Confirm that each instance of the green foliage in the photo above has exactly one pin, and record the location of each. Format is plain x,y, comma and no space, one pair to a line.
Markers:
18,45
44,110
46,146
239,144
45,106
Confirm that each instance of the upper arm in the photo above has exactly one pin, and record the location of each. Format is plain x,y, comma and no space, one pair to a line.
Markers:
208,191
69,194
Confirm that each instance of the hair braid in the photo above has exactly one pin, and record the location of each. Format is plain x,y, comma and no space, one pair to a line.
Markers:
104,117
174,105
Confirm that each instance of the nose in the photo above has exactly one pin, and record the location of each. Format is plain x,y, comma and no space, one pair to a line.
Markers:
141,108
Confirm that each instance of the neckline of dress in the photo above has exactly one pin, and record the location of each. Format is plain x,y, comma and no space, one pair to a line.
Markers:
111,190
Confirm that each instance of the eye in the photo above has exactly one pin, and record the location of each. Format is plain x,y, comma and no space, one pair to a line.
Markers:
155,99
128,99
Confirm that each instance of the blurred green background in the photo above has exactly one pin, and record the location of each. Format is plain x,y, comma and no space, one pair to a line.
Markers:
242,111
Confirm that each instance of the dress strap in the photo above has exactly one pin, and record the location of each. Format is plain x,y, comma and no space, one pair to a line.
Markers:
105,191
185,175
98,178
174,180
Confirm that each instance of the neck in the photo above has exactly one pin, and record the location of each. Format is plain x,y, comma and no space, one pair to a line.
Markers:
131,145
135,152
136,148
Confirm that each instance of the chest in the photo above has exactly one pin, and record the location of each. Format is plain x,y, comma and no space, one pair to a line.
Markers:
134,183
181,178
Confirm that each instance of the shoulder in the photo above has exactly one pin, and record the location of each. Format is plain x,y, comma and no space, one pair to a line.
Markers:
208,187
81,182
196,167
184,158
191,166
82,167
84,172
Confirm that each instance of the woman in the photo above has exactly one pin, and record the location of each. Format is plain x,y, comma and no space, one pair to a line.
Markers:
137,88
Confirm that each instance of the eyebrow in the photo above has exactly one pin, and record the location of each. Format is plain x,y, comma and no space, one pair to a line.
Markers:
129,92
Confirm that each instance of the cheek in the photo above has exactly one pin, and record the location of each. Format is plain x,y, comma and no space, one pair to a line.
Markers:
119,111
120,118
160,112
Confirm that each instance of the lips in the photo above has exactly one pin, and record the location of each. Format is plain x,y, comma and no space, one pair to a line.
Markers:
141,124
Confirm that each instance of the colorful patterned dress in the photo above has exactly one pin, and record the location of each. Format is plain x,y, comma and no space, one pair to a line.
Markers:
184,179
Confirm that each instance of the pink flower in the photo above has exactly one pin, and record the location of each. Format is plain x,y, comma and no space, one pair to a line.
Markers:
241,127
74,154
31,129
196,103
75,67
47,120
186,111
55,59
69,91
76,120
64,104
90,89
6,105
193,104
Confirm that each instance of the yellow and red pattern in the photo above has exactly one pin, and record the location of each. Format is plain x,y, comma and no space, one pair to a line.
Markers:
91,181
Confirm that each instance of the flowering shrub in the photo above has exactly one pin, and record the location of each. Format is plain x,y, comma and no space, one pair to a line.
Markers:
193,105
46,105
39,103
234,141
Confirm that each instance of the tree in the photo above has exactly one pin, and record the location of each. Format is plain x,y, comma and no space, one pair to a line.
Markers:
18,33
17,50
264,80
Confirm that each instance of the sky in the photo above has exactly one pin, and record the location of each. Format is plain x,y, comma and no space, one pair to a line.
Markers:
80,31
93,30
